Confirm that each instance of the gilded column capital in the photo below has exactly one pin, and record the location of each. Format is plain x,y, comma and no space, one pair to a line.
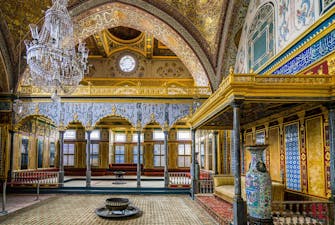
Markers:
138,127
61,127
166,127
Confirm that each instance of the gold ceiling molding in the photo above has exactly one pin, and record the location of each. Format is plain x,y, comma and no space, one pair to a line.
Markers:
265,88
111,44
117,14
164,91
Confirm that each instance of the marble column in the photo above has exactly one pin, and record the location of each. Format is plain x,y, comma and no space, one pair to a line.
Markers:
194,167
331,118
166,155
138,159
215,153
61,158
88,159
238,204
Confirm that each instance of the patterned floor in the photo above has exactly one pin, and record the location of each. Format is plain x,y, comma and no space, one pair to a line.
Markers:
219,209
79,209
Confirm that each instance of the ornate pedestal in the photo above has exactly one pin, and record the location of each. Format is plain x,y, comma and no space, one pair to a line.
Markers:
258,188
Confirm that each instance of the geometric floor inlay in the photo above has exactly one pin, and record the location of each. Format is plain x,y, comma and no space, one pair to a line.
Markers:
79,209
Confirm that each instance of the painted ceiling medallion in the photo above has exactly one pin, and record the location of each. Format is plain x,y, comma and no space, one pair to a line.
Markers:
127,63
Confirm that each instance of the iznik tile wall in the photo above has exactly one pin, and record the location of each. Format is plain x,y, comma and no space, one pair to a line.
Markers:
292,157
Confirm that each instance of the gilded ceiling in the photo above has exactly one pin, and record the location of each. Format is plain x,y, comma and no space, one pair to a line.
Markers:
202,18
205,16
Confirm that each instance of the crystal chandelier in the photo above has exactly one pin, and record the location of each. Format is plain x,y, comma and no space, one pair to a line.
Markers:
54,64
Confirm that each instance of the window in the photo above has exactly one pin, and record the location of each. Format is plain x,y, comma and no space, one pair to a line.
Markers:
202,155
24,154
70,135
183,135
158,135
94,149
184,155
127,63
68,155
119,154
95,135
120,137
159,152
135,148
52,154
135,138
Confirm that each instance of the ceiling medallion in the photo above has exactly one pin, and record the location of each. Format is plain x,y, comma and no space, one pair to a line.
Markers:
127,63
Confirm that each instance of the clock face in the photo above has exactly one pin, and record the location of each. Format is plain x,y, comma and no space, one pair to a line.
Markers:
127,63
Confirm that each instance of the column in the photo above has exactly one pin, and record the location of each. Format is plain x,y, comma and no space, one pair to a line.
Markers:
215,154
166,155
138,158
238,204
243,151
88,159
11,163
224,152
61,158
331,118
194,167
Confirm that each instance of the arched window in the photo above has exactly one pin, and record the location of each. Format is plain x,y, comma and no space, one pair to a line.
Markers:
261,42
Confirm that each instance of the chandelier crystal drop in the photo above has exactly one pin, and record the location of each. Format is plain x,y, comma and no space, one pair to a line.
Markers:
51,55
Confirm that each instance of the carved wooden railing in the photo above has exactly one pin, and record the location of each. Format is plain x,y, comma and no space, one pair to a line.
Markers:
303,213
33,177
179,179
205,186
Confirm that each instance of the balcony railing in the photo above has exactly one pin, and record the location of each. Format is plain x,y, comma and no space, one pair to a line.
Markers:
28,177
303,213
179,179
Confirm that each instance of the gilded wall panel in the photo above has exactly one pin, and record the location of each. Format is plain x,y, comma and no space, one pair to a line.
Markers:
80,154
32,150
247,155
315,157
103,155
17,148
46,152
274,149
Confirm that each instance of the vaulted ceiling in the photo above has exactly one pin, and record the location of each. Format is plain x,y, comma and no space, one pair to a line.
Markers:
198,32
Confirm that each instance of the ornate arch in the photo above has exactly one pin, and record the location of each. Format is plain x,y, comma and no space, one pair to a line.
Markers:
49,110
26,118
6,69
104,14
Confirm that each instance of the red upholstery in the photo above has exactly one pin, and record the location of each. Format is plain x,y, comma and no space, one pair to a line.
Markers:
129,168
159,171
82,171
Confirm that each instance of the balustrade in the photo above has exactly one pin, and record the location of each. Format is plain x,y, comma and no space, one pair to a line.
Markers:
31,177
303,213
179,179
206,186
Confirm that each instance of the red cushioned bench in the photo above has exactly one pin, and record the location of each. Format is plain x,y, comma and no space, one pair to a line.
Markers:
129,168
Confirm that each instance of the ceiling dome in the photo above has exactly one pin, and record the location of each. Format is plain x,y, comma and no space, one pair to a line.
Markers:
124,33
